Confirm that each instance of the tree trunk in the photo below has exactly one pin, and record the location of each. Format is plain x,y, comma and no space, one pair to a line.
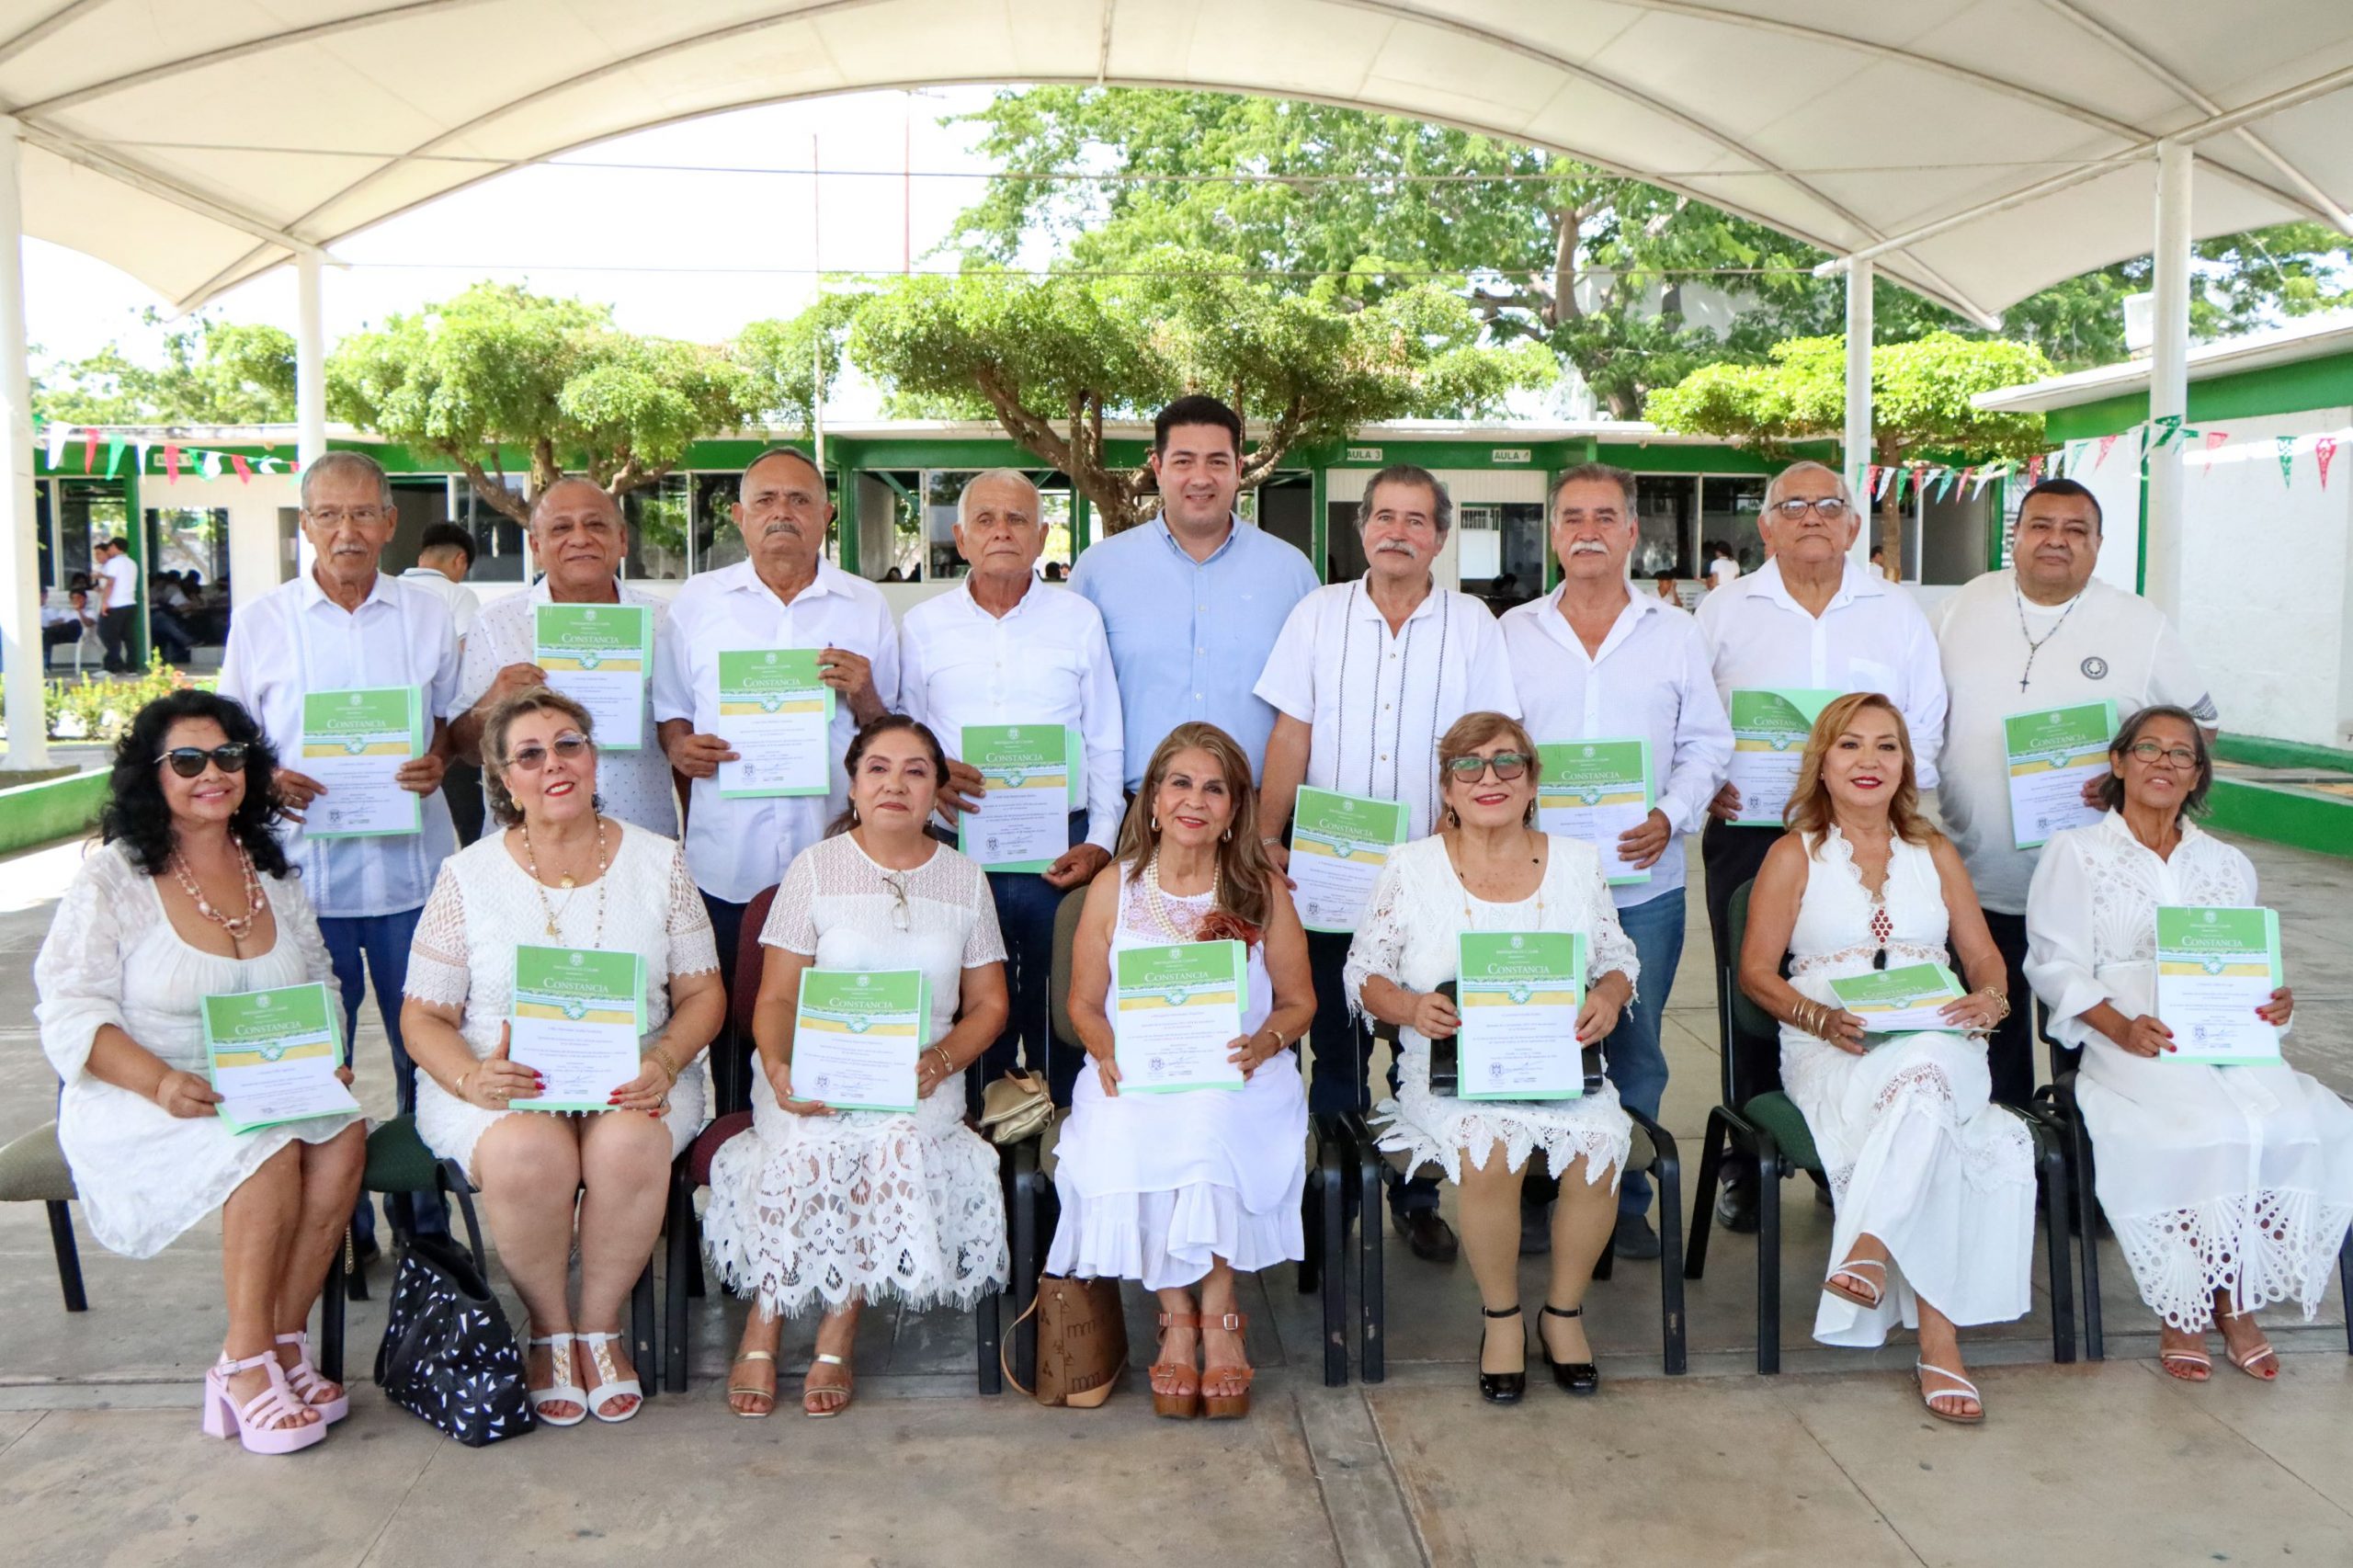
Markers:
1891,509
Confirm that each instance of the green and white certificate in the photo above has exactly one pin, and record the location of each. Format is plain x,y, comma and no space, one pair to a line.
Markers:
1768,736
855,1036
577,1016
1518,993
600,656
1175,1012
273,1055
2215,967
1595,790
1023,823
776,715
1338,845
354,740
1907,1000
2052,752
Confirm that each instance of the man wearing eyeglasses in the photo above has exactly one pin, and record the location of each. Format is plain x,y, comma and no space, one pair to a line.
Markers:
1808,621
2040,633
343,625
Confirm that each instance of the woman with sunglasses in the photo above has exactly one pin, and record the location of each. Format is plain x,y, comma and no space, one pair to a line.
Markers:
2229,1187
1488,868
827,1211
562,874
191,897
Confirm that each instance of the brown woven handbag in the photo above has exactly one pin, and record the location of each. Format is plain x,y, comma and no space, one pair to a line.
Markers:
1081,1342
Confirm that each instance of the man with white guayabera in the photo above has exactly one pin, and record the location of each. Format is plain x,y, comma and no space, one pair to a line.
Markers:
343,625
1596,663
1003,653
1812,624
1364,680
2027,643
577,540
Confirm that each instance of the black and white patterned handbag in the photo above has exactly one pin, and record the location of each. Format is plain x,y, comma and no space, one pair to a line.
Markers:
449,1355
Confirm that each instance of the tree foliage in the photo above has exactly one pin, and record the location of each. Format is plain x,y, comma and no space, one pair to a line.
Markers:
213,373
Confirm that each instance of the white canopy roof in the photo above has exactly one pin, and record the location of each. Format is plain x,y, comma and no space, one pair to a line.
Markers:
195,142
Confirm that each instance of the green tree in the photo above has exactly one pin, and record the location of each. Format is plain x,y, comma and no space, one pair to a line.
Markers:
213,373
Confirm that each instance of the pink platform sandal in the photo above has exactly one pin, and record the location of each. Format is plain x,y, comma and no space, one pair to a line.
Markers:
270,1422
307,1384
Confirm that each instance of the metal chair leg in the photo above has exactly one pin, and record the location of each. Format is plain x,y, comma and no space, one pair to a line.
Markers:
68,1256
644,1319
1666,1172
1372,1354
1703,1197
679,1269
1331,1229
2345,1289
2087,1230
2057,1257
1029,1202
1769,1254
331,1324
986,1341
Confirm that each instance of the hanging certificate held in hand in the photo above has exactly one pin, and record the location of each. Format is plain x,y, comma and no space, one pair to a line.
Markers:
577,1016
776,714
1518,993
1768,736
857,1035
1175,1012
1595,790
1909,1000
1338,845
1023,823
354,739
599,655
2215,967
2051,755
273,1056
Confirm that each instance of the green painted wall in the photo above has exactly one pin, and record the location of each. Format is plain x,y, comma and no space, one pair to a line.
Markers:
2323,381
54,809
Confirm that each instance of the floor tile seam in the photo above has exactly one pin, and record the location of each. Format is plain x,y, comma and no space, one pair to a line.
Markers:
1389,1467
38,1417
2152,1369
368,1552
1794,1414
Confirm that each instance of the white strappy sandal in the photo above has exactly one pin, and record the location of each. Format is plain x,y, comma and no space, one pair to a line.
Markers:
610,1384
1966,1391
563,1390
1855,1266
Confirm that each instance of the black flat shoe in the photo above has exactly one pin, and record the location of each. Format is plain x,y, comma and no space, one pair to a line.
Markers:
1500,1388
1635,1239
1736,1207
1535,1229
1429,1236
1580,1378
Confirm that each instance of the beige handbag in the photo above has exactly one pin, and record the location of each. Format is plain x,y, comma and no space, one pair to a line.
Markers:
1081,1342
1015,1106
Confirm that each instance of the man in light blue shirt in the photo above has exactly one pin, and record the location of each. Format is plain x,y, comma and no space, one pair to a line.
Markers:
1193,600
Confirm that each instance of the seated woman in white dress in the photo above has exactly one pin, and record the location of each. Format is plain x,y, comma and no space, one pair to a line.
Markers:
1933,1185
2229,1187
1186,1191
1488,868
562,874
191,897
825,1210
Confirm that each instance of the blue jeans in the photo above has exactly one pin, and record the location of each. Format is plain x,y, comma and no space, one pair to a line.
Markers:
1026,903
1343,1067
1632,1054
375,946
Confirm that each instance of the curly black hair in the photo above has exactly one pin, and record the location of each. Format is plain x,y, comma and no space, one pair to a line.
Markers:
136,811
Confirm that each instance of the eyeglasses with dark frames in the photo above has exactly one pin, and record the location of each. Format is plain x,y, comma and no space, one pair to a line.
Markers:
188,761
1508,766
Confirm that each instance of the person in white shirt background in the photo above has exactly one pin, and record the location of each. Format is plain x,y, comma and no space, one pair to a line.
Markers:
1364,680
2039,634
1595,660
1721,567
1003,648
120,605
445,553
1810,620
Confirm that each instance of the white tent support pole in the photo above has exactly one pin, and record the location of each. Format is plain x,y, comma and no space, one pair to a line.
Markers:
19,558
1858,445
310,375
2162,561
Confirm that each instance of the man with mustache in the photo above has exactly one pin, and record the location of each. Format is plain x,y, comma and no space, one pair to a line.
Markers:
786,596
1595,661
1364,680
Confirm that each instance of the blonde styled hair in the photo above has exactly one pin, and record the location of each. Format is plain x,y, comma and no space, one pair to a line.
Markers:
1809,810
533,699
1474,730
1241,863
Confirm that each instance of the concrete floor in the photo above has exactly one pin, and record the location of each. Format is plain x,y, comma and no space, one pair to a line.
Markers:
1832,1460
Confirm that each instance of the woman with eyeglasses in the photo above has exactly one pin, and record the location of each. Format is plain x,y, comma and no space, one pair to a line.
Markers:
562,874
2229,1187
824,1209
1489,869
191,897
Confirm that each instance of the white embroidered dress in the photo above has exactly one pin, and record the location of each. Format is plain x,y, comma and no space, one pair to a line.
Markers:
2215,1178
1154,1187
111,957
484,905
815,1211
1418,909
1917,1153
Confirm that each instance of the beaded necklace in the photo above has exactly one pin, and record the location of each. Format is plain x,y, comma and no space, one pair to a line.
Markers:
239,926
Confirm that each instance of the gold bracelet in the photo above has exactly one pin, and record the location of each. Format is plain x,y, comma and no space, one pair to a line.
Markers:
946,1064
2001,1000
461,1090
661,1059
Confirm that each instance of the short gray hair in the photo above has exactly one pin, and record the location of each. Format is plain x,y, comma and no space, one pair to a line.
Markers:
1441,503
349,462
1013,475
783,450
612,505
1773,490
1592,473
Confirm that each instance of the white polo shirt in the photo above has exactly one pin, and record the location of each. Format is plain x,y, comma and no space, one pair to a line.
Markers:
296,639
1377,702
736,847
122,581
635,784
1870,637
2103,643
1045,661
1650,680
463,606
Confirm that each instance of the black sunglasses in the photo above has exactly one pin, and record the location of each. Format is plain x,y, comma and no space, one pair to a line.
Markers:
188,761
1508,766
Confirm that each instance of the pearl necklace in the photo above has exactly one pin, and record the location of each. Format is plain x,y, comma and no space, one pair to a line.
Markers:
531,864
238,927
1153,900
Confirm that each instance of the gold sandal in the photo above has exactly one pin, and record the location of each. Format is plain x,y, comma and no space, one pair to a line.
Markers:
736,1389
810,1390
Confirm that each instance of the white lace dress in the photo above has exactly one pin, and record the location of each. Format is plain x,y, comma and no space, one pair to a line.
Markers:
2237,1178
816,1212
111,957
1419,907
1153,1188
1917,1153
484,905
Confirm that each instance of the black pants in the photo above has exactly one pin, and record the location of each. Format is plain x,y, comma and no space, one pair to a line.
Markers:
1730,856
114,631
2009,1054
461,787
728,1075
1340,1079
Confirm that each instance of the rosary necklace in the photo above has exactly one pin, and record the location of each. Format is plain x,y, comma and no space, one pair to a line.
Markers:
239,926
531,864
2032,646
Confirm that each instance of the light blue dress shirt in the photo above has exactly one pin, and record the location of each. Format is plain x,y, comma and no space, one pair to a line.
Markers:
1190,639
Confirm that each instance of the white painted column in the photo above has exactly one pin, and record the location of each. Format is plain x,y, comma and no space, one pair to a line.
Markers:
20,554
2161,560
310,375
1859,402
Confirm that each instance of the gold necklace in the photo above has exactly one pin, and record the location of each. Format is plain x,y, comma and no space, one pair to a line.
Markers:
1463,886
239,926
531,864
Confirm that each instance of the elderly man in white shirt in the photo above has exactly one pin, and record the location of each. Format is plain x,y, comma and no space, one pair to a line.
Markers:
786,596
345,624
1809,619
1002,649
1364,679
577,541
2041,633
1596,661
